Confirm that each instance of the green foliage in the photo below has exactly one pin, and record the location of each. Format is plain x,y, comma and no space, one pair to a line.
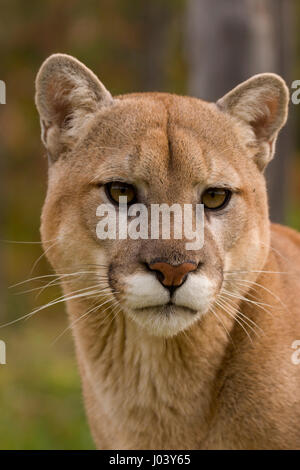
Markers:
40,396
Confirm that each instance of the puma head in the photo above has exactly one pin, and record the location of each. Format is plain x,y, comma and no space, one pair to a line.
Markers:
160,148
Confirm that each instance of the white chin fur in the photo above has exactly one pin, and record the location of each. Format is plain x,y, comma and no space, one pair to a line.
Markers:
158,323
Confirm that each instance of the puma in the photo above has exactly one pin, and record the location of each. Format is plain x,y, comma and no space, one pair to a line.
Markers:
177,349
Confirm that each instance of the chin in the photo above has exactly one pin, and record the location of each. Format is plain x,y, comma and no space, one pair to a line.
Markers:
164,320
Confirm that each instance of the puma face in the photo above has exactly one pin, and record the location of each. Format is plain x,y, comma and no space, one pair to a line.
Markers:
156,148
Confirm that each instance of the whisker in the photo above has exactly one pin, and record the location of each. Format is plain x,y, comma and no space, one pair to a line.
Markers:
264,288
31,279
229,303
222,323
42,256
264,272
236,319
241,297
50,275
114,316
54,302
54,282
26,242
279,254
81,317
258,304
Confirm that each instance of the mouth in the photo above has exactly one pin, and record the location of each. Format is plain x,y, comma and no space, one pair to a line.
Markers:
165,319
168,309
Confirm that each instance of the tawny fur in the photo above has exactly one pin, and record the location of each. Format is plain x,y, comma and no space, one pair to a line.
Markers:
209,384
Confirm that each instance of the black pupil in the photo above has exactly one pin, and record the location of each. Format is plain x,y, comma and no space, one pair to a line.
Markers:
117,189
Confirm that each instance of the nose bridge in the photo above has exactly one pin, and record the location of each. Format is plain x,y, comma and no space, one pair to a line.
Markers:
173,275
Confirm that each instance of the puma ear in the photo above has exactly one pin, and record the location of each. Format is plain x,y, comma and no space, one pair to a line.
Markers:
261,103
67,96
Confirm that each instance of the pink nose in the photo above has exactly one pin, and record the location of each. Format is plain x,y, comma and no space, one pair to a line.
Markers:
170,275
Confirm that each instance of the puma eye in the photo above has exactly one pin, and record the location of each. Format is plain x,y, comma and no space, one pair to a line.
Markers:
216,198
116,189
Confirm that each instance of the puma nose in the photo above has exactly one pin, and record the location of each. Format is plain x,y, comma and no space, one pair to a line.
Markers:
172,276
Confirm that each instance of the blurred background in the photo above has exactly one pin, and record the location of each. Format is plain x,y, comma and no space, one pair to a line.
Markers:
197,47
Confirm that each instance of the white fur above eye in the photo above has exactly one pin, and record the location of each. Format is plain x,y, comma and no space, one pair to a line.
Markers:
144,290
196,293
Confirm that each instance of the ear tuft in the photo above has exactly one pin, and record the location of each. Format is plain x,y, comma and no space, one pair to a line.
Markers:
260,103
67,95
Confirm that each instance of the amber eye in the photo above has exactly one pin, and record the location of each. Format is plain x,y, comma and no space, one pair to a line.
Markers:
116,189
215,198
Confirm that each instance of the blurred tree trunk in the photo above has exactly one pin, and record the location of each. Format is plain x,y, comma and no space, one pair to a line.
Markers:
155,17
226,43
2,206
